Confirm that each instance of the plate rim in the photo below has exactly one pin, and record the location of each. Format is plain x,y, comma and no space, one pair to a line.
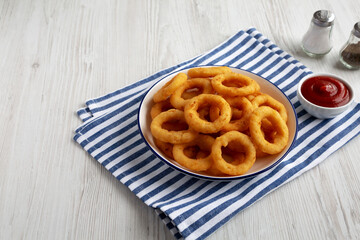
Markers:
214,178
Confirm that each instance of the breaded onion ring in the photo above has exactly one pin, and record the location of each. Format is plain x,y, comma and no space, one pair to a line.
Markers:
207,72
266,100
170,87
195,122
242,123
174,137
249,86
203,84
202,161
165,147
280,139
160,107
244,143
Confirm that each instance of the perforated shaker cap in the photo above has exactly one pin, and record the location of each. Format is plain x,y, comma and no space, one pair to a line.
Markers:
357,29
323,18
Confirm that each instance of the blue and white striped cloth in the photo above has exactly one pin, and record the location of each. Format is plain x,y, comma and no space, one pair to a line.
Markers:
193,208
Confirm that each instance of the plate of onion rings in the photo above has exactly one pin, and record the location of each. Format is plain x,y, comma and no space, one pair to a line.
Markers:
217,123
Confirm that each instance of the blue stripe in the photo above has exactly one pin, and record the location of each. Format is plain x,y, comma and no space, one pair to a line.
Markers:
138,166
202,196
252,57
156,178
110,137
131,105
258,64
192,193
241,55
144,174
270,66
176,191
163,186
119,143
128,158
116,102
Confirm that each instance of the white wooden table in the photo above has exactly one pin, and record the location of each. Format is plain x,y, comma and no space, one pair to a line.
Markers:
57,54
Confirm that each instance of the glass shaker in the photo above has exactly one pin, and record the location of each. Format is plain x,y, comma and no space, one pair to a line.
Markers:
317,40
350,53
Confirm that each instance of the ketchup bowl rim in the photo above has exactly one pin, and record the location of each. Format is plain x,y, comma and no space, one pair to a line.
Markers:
351,91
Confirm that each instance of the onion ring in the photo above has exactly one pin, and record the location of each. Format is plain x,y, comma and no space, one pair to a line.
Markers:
174,137
282,132
169,87
207,72
266,100
242,123
204,162
160,107
241,139
249,86
195,122
164,147
201,83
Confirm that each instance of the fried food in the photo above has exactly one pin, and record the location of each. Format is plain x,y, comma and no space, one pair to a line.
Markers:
244,142
281,132
246,85
203,160
203,84
266,100
160,107
207,72
243,107
170,136
217,122
201,125
170,87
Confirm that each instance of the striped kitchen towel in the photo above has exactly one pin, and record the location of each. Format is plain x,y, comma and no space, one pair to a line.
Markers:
192,208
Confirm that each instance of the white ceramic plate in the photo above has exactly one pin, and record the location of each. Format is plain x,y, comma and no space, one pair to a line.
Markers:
260,166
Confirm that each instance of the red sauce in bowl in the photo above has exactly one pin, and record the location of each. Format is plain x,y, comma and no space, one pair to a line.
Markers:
325,91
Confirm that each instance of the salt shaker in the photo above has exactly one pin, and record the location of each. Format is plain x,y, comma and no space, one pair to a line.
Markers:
317,40
350,53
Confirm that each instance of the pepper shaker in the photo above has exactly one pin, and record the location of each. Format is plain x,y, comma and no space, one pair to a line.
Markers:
317,40
350,53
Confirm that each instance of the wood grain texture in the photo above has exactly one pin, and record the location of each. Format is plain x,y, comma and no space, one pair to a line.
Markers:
57,54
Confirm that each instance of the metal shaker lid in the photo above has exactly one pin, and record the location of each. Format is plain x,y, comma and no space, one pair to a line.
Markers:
357,29
323,18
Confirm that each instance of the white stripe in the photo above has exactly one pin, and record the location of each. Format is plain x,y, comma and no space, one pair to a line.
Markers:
191,197
138,172
112,141
124,156
119,148
256,60
179,195
158,184
106,123
248,55
263,65
139,182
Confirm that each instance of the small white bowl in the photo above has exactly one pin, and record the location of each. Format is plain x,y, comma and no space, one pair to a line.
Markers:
265,164
319,111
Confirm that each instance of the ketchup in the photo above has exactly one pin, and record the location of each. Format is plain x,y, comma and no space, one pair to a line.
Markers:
325,91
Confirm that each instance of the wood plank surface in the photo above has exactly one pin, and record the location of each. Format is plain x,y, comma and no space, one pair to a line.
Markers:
57,54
